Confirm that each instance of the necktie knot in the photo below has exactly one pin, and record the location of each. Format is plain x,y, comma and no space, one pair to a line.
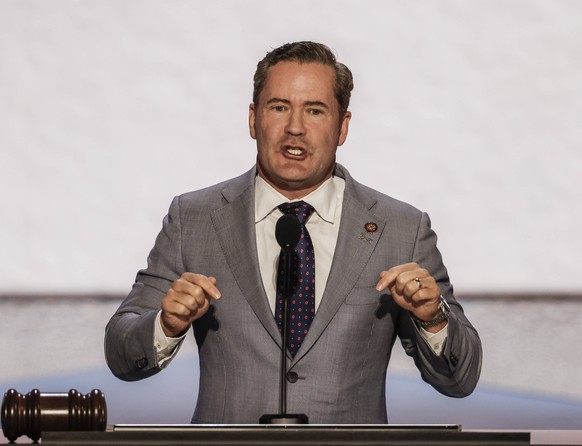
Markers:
301,209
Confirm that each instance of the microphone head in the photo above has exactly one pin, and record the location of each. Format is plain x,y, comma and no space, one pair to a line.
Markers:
288,231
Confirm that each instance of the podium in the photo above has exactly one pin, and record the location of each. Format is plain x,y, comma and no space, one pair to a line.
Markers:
287,435
73,419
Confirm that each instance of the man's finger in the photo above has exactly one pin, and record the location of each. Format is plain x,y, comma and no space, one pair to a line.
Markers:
389,277
207,283
413,282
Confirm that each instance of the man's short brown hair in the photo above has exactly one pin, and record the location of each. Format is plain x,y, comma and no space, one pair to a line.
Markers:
307,52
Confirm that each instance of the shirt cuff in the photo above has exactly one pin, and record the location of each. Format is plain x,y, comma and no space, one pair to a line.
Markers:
435,340
166,348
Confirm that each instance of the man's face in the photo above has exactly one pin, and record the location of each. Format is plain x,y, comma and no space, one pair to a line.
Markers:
297,126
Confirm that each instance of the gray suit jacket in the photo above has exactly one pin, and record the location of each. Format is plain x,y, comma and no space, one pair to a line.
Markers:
340,369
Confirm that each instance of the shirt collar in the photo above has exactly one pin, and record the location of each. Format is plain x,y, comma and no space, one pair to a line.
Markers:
323,199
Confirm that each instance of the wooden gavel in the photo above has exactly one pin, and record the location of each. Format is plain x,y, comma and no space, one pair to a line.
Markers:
36,412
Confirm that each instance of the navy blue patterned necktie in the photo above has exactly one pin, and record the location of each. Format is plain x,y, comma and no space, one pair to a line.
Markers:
301,304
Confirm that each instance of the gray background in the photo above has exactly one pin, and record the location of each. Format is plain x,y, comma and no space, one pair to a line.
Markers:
470,110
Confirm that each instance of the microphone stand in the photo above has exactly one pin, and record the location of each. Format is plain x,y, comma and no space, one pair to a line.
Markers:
283,417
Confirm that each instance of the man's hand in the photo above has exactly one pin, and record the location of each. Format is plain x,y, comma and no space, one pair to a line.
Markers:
414,289
187,300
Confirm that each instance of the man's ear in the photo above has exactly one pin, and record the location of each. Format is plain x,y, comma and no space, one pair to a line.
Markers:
344,128
252,120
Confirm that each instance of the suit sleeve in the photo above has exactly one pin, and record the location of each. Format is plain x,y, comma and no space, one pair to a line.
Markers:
129,335
456,371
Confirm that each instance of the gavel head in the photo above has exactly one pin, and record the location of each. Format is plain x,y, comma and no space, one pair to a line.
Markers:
36,412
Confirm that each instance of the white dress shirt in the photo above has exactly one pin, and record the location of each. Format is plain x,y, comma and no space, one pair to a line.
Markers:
323,226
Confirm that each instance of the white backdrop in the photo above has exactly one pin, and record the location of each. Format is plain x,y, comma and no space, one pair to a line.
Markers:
471,111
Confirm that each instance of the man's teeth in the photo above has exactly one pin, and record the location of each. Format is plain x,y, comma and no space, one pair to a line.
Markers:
294,150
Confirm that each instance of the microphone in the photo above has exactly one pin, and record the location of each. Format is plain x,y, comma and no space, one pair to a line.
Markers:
287,233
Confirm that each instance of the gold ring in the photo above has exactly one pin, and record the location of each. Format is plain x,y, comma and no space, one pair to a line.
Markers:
418,282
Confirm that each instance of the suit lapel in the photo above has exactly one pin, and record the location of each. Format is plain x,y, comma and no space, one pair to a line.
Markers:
354,247
235,228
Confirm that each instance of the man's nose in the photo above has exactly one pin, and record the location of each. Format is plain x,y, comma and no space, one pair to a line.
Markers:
295,124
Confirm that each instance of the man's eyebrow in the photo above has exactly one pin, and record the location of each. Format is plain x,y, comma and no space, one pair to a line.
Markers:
306,104
274,100
317,104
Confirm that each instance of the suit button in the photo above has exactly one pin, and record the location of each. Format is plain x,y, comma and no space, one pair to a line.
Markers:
292,377
141,363
454,359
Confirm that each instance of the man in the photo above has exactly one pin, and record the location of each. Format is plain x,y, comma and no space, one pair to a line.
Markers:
378,273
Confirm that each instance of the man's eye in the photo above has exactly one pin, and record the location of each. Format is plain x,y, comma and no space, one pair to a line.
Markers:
278,108
315,111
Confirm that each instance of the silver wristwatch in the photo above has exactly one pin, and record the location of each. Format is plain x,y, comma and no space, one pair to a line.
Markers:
441,316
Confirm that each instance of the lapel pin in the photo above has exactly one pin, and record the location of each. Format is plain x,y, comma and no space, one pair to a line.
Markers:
371,227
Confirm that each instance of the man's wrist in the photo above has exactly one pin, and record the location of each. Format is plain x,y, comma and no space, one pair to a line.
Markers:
441,317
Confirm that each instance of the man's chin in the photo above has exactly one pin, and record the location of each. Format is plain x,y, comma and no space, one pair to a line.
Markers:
297,187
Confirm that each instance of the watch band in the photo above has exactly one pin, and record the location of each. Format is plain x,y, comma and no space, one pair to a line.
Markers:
441,316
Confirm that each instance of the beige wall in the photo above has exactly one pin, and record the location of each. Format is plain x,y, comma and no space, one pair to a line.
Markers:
469,110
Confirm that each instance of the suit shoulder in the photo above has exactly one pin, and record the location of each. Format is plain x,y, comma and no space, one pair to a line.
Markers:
384,204
217,195
378,202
